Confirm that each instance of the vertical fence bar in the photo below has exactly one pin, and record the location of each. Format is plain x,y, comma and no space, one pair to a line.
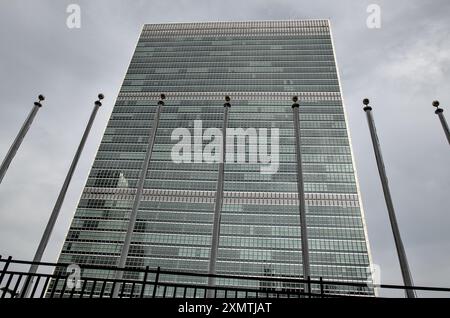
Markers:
94,284
309,286
83,288
28,281
321,287
55,284
102,290
144,281
36,283
63,289
8,282
44,287
122,289
5,268
72,291
155,286
16,286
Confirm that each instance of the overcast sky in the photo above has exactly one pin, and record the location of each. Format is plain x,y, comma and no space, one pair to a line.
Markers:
402,67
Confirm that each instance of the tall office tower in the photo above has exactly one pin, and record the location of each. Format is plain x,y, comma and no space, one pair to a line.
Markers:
256,215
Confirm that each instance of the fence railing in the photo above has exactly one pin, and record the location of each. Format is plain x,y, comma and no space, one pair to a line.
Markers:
61,280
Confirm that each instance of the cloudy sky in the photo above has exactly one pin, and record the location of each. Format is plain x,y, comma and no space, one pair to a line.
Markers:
402,67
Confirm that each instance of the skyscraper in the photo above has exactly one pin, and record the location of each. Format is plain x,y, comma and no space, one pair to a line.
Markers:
176,207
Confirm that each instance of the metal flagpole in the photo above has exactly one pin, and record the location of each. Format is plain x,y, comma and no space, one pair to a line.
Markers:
218,204
301,191
56,209
410,293
440,113
22,132
138,196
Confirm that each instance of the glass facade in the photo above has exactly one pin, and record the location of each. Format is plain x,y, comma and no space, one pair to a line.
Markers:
260,65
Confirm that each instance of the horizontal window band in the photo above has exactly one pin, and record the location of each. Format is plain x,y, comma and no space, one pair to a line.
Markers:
306,96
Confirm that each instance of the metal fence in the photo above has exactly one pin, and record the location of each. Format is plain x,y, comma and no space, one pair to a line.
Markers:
58,280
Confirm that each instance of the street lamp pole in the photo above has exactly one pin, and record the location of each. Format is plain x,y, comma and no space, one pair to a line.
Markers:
404,267
22,132
440,113
56,209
